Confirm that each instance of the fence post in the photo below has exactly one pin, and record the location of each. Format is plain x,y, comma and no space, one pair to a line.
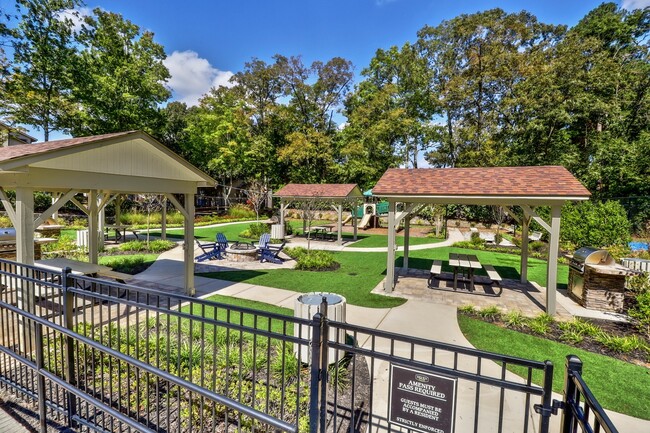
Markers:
40,379
324,353
316,325
573,365
68,317
547,398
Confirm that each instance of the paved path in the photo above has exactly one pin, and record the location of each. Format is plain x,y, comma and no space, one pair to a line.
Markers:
418,318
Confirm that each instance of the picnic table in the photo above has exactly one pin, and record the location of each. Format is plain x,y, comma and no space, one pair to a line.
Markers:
464,263
323,230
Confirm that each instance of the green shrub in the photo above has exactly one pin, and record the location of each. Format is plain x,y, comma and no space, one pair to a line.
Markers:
598,224
467,309
155,246
5,221
295,252
537,246
240,211
475,238
541,324
620,344
316,260
490,313
498,238
640,312
515,319
255,230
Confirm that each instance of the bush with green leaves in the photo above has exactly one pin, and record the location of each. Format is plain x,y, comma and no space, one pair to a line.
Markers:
241,211
312,260
155,246
597,224
255,230
639,311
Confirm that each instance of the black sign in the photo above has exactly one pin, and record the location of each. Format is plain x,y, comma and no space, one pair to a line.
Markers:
422,401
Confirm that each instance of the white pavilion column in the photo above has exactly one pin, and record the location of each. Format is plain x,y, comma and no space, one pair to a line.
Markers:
101,226
93,228
390,257
551,270
339,212
407,228
163,221
282,209
189,245
524,247
25,225
25,254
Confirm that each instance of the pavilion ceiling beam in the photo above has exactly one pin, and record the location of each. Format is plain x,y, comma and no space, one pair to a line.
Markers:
80,205
105,199
9,208
530,211
179,207
58,204
512,214
409,210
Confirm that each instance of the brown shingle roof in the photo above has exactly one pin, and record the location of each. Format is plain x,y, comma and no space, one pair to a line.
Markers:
21,150
323,190
481,181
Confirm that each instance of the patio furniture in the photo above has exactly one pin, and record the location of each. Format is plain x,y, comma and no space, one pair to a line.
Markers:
464,262
268,251
535,236
494,277
222,242
436,270
210,250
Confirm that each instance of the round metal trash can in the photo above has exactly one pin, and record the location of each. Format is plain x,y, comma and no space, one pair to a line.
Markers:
305,307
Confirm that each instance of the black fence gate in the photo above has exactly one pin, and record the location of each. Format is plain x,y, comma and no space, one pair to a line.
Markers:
96,355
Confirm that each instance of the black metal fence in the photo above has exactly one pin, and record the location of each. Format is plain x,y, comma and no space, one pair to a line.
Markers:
102,356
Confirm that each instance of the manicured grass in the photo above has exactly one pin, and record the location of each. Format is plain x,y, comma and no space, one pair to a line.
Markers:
129,263
372,241
618,385
507,265
247,320
358,275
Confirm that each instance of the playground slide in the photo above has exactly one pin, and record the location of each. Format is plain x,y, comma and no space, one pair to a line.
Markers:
346,220
365,221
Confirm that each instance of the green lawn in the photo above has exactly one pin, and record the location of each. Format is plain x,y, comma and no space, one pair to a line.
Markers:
361,272
247,320
372,241
129,263
618,385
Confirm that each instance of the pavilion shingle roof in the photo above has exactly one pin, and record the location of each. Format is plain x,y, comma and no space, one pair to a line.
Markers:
21,150
481,181
323,190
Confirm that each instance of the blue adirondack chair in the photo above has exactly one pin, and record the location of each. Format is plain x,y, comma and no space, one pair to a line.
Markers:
222,243
269,252
210,251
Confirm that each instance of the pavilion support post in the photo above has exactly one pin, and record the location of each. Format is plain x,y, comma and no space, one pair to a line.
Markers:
101,227
339,236
189,244
524,248
24,213
390,260
282,209
118,209
551,270
355,221
407,228
93,228
163,221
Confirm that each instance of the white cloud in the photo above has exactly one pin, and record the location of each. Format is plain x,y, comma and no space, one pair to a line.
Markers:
635,4
76,16
193,76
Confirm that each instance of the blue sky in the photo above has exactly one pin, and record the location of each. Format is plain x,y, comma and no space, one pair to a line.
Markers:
206,41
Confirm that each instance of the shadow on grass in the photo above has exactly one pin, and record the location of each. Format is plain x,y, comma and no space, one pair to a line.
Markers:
235,276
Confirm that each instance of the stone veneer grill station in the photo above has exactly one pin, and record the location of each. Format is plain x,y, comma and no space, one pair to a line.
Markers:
596,281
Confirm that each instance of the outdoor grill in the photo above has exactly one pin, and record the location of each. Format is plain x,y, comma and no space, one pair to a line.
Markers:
8,234
8,244
596,281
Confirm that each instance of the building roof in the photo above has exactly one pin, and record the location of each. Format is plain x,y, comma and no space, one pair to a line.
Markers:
18,133
23,150
122,162
551,182
319,190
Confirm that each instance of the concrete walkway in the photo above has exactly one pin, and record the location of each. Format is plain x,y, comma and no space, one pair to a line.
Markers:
418,318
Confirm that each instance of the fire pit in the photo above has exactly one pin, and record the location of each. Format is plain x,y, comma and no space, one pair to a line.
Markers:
596,281
241,252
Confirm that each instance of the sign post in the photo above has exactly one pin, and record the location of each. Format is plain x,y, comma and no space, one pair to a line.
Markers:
422,401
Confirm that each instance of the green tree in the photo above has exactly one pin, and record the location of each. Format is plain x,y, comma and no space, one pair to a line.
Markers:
38,88
122,77
598,224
